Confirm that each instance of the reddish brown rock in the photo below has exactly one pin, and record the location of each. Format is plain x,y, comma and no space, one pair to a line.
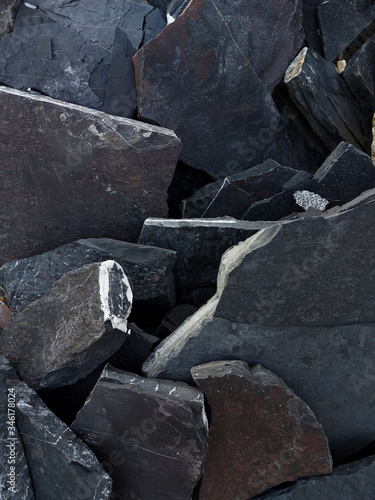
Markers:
262,434
5,313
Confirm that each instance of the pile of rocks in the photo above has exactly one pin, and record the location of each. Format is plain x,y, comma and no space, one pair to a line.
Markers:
186,282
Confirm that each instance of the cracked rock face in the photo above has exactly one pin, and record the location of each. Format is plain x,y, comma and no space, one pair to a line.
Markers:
51,462
74,327
77,173
151,435
261,433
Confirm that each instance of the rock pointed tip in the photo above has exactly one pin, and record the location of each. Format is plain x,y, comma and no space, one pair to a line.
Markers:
296,66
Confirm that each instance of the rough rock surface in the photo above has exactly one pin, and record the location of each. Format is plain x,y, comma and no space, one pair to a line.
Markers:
194,79
354,480
8,9
57,462
272,308
261,433
199,244
75,326
149,270
77,173
155,435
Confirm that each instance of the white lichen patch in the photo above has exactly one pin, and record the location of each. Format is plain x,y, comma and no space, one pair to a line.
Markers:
307,199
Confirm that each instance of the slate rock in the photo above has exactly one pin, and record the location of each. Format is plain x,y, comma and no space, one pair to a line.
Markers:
79,173
8,8
261,433
162,5
325,100
234,194
153,25
28,61
199,244
354,480
60,465
173,319
150,435
340,23
75,326
149,270
194,79
311,26
296,298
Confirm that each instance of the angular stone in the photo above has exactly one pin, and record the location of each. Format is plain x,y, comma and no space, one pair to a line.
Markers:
307,200
75,326
199,244
149,269
79,173
194,79
233,195
354,480
60,465
297,298
261,433
8,8
341,22
173,319
325,100
311,26
67,75
155,434
154,24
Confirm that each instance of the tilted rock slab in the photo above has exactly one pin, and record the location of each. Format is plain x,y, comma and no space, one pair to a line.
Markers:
194,79
74,327
149,270
261,433
51,461
151,435
297,298
76,173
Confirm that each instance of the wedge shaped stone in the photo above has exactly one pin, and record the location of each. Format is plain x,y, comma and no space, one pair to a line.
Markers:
74,327
261,433
76,173
195,79
150,435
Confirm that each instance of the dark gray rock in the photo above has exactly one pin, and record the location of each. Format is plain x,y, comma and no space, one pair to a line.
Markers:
194,78
8,9
311,26
233,195
199,244
150,435
66,73
173,319
74,327
149,270
51,461
245,458
162,5
297,298
325,99
354,480
77,173
341,22
154,24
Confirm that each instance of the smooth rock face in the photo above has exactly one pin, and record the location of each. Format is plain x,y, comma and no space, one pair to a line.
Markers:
75,326
261,433
150,435
297,298
199,245
58,463
194,79
149,270
325,99
8,9
233,195
354,480
77,173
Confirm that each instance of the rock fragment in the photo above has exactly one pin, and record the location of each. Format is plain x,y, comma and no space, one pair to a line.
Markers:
306,200
8,9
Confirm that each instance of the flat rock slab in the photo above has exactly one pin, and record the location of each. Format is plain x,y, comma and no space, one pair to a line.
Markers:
325,100
261,433
150,435
149,270
199,244
74,327
194,79
303,310
354,480
76,173
58,463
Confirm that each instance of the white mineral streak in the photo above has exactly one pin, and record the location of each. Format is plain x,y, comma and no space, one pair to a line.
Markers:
306,200
170,19
373,141
295,66
104,276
